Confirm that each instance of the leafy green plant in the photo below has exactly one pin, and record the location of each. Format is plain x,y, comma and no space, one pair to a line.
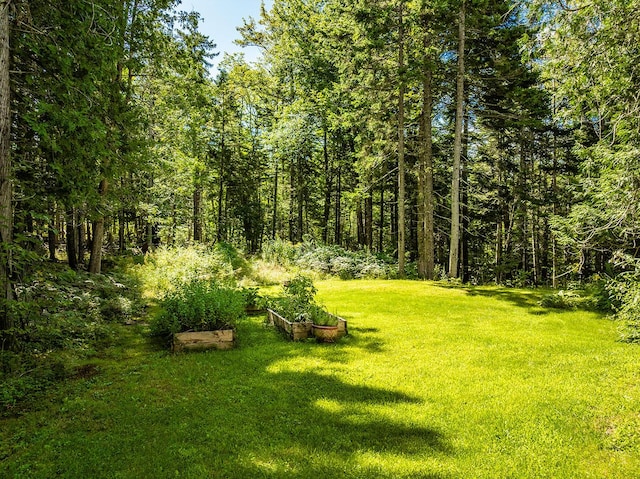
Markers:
298,303
199,305
321,317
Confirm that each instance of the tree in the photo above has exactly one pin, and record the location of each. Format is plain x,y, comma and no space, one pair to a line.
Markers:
6,213
454,248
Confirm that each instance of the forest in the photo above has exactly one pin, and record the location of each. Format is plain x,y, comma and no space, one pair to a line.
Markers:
458,181
478,141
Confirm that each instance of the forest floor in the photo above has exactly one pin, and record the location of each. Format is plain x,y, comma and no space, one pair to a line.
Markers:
432,382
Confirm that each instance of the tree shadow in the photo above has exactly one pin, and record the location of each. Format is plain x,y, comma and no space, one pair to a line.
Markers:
298,418
526,299
270,408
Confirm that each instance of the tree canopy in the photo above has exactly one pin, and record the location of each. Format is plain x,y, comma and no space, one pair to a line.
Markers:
485,140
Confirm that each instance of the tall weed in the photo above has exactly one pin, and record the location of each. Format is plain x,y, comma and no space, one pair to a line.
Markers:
169,268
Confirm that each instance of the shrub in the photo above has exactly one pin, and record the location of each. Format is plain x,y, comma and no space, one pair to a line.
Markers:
59,313
230,255
169,268
340,262
561,300
625,293
200,305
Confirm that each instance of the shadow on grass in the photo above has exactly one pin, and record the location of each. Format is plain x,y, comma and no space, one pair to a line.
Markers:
366,339
308,425
298,415
521,298
270,409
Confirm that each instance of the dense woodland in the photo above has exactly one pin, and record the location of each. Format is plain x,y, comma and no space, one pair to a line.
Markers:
487,140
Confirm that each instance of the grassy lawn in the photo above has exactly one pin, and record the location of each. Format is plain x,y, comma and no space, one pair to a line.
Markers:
433,382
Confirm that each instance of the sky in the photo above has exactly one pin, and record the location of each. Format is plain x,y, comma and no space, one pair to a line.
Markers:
220,19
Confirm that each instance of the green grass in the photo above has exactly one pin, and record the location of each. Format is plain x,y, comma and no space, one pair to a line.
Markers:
433,382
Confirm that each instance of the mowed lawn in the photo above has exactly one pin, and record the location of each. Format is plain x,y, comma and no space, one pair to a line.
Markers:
433,382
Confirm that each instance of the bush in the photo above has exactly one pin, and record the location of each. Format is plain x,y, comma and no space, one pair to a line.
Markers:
167,269
200,305
561,300
59,313
337,261
626,297
279,252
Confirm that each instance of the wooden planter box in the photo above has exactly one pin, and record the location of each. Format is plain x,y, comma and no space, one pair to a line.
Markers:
296,330
200,340
254,310
300,330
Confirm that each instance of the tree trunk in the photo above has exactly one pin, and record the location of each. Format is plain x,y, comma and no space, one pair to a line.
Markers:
426,262
464,207
72,253
368,221
454,249
360,223
80,245
381,222
338,208
401,165
197,210
328,181
222,229
6,213
274,218
95,260
300,200
52,237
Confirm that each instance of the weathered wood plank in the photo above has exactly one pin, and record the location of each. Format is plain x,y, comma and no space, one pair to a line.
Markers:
200,340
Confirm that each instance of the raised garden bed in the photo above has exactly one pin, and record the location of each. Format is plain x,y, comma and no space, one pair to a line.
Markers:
295,330
201,340
300,330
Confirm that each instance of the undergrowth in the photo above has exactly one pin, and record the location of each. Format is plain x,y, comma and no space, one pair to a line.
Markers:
60,317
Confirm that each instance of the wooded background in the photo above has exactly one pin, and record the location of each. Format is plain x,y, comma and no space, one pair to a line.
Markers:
487,140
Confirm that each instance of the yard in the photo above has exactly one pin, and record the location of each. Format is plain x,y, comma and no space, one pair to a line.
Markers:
432,382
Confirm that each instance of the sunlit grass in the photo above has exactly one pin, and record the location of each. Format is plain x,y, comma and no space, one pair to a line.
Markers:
433,382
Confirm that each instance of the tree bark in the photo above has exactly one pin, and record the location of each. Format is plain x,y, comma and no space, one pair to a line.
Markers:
197,210
454,249
338,208
6,213
401,164
52,237
72,252
426,260
464,207
95,260
274,217
328,181
368,220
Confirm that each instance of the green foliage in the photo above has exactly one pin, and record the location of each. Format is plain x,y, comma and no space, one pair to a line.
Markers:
301,288
298,303
327,259
279,252
252,298
169,268
337,261
60,316
298,300
200,305
561,300
231,255
624,291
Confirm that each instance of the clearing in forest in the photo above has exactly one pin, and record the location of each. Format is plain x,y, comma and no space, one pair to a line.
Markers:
433,382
